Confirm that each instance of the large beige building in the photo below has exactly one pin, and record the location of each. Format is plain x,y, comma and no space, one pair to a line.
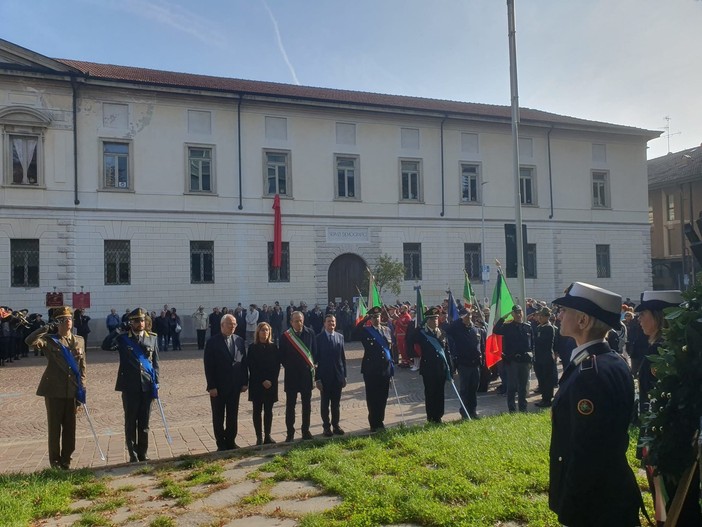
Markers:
150,187
675,199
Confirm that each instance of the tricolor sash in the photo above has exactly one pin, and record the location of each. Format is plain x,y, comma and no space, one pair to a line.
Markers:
383,343
73,366
140,355
299,346
439,350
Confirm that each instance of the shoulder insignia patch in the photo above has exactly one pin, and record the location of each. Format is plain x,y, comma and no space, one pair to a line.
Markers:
585,407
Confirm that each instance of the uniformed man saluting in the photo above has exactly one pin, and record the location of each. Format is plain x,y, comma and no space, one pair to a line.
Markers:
137,379
62,384
591,481
377,367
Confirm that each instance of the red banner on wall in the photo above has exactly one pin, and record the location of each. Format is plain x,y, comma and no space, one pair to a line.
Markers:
81,300
54,299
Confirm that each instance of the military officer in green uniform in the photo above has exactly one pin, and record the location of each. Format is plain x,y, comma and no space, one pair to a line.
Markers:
137,379
63,383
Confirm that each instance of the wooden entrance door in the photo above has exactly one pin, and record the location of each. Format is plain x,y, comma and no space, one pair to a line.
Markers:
346,273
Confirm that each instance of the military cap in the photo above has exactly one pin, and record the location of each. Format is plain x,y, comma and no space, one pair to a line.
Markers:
659,300
374,311
432,312
544,312
516,308
462,312
62,312
137,314
600,303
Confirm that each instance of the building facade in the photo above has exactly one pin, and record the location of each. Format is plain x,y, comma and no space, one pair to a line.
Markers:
146,187
674,200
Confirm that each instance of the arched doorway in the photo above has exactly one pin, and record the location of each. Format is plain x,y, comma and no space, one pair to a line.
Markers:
346,273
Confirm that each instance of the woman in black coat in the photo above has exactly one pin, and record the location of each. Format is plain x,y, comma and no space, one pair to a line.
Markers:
264,367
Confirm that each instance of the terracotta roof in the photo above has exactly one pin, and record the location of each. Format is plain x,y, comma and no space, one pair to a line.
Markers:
675,168
272,89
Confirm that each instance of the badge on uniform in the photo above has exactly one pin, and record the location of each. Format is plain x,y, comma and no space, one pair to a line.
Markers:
585,407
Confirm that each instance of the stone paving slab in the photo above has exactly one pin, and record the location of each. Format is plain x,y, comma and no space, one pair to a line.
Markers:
300,507
261,521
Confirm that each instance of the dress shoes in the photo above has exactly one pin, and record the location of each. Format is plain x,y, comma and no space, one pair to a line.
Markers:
268,440
289,438
542,404
327,432
306,435
338,431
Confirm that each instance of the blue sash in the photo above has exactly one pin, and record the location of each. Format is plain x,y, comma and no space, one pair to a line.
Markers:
71,362
382,342
439,350
140,355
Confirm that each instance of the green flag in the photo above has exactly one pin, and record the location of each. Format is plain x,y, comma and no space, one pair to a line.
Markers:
468,293
420,307
373,295
360,309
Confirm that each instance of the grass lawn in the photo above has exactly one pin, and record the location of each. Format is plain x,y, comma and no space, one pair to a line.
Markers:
478,473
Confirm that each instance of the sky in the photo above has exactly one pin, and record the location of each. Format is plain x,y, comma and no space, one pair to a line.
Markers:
629,62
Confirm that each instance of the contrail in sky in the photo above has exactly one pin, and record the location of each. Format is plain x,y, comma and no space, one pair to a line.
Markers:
280,42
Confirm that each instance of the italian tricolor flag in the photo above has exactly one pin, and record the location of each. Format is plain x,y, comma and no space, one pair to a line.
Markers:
500,306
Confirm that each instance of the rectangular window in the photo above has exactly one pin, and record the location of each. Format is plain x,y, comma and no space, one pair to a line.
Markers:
409,138
201,262
469,143
527,186
470,183
602,257
412,253
347,181
650,214
115,165
473,261
599,153
199,122
530,261
200,169
282,273
24,261
25,159
345,134
600,192
670,208
277,173
117,262
410,180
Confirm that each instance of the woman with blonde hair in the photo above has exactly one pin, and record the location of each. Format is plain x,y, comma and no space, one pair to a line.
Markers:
264,367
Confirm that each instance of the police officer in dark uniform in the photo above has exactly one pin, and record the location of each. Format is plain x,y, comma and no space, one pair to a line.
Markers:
468,357
137,379
591,482
435,366
544,359
517,349
377,367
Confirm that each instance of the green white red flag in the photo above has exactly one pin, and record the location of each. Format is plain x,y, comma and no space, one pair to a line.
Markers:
500,306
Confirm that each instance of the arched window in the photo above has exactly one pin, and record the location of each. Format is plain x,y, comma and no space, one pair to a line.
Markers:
23,130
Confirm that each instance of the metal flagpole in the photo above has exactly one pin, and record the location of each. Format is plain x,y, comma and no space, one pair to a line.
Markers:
392,379
460,400
92,429
165,424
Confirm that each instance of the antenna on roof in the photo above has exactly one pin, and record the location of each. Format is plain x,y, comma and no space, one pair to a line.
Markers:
667,131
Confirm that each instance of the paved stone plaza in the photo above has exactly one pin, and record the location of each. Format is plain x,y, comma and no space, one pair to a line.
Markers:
186,405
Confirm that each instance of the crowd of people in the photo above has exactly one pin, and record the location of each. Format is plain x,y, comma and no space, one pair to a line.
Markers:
601,342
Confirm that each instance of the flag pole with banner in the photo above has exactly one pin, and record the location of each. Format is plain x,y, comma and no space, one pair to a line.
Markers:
500,306
468,293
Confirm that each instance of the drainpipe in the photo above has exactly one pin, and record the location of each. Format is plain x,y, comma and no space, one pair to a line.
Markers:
550,174
443,201
238,133
74,87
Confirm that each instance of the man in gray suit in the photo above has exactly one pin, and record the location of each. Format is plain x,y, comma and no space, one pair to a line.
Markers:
330,376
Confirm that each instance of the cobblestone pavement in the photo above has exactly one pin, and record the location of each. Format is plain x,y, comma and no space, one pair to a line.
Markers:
23,433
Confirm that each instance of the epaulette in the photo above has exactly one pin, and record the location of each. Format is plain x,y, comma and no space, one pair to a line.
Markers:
589,363
151,334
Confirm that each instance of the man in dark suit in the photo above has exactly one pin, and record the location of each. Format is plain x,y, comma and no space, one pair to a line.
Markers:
137,379
298,351
62,384
330,375
591,482
227,377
